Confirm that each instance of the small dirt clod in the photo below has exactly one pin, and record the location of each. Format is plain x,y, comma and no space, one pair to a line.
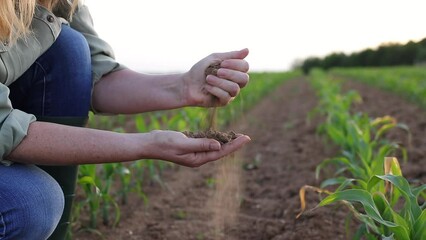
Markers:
222,137
212,69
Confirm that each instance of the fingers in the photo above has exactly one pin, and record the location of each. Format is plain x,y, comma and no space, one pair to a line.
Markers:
241,54
230,87
237,76
230,147
201,145
223,96
226,85
235,64
233,60
231,77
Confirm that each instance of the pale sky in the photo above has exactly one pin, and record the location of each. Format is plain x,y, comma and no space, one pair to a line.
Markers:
159,36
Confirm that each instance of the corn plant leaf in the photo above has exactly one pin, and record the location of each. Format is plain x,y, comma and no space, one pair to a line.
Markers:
405,226
123,170
366,199
354,169
334,161
353,134
355,126
420,227
335,134
380,202
362,231
390,215
109,169
418,190
381,153
110,199
407,129
173,122
361,196
302,195
383,120
403,127
388,237
154,122
87,180
411,206
383,130
392,166
140,123
365,153
87,170
348,155
364,124
344,182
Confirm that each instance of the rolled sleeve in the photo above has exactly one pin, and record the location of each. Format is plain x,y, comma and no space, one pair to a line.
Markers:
14,125
102,54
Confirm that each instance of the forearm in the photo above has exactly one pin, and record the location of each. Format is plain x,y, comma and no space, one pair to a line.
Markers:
54,144
128,92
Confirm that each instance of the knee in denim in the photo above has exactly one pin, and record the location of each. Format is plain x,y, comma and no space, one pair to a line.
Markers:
32,207
71,49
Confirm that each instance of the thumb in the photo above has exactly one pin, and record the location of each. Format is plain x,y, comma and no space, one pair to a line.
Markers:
201,145
241,54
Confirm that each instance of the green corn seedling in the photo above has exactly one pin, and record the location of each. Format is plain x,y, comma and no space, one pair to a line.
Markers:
373,187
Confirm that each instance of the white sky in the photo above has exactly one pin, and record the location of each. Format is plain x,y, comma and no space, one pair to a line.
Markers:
171,35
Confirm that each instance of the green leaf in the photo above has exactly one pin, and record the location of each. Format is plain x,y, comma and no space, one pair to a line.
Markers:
361,196
335,161
383,130
87,180
344,182
418,190
388,237
365,198
420,227
140,123
411,205
380,202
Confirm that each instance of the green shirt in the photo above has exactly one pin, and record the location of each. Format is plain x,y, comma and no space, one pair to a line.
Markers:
16,59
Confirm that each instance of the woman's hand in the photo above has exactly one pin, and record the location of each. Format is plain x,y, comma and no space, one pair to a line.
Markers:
191,152
210,91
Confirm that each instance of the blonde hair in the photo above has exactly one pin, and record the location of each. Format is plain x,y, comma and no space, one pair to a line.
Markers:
15,18
16,15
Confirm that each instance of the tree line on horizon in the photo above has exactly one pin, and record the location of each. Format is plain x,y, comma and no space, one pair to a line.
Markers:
388,54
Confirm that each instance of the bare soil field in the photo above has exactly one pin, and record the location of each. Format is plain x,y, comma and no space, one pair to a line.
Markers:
255,193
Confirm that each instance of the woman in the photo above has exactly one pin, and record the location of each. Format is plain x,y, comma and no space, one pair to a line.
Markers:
55,69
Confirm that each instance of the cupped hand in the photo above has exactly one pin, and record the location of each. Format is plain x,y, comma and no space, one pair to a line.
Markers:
219,90
191,152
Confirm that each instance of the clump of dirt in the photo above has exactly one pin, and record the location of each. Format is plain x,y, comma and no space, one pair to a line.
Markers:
222,137
212,69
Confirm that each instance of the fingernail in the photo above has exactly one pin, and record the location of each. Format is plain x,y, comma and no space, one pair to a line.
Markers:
214,146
